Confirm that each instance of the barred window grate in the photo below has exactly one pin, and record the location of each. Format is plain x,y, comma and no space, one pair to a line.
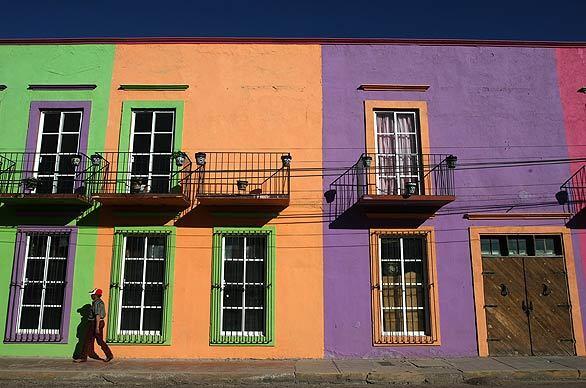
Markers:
402,289
139,290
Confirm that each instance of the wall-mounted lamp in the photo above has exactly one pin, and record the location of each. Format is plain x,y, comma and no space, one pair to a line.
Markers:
96,159
451,161
179,158
410,189
562,197
366,160
200,158
241,184
75,160
286,159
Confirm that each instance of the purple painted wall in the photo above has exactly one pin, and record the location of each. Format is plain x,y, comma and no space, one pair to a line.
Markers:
485,104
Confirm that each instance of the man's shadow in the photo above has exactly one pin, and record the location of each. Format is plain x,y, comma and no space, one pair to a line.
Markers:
81,332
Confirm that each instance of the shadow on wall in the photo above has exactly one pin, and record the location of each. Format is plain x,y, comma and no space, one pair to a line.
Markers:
200,216
82,328
34,215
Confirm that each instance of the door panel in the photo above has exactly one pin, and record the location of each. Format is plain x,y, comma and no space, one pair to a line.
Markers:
550,319
504,294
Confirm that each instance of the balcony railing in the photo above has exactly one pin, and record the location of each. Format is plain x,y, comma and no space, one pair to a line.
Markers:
133,174
572,194
391,179
243,176
33,174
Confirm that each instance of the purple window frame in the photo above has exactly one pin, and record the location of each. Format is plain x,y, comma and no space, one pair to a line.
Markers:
12,335
34,122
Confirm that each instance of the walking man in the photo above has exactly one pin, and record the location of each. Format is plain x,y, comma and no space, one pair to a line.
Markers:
95,330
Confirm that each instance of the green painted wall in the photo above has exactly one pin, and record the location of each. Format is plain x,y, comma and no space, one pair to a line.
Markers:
50,64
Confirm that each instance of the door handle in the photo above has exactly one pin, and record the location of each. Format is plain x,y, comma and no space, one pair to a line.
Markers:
546,290
504,290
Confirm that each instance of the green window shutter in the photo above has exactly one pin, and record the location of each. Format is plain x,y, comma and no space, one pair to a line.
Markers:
114,335
216,336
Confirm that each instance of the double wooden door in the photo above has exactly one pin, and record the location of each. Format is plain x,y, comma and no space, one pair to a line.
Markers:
527,306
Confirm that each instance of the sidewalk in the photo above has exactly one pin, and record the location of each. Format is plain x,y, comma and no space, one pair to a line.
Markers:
207,372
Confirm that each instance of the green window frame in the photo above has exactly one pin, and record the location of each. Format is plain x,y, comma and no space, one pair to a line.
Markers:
114,334
217,336
126,128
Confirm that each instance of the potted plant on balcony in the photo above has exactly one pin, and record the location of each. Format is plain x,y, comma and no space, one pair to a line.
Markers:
136,186
30,183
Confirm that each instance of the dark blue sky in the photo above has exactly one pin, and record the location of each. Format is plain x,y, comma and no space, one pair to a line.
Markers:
454,19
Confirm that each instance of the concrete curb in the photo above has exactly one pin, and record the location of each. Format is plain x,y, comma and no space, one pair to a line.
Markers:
431,376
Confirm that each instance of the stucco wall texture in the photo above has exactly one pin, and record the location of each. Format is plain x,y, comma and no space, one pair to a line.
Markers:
240,98
485,105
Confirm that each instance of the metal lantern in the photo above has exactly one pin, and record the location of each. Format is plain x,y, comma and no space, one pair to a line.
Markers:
451,161
200,158
241,184
96,159
30,183
179,158
410,189
286,159
75,160
366,161
562,197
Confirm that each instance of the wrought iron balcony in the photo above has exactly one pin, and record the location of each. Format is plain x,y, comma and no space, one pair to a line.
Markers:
572,196
405,188
33,178
145,179
240,179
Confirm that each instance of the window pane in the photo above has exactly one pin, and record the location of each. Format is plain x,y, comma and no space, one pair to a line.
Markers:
133,270
412,248
391,271
161,164
155,271
160,185
132,295
232,320
56,270
52,318
164,122
134,247
35,269
130,319
29,317
385,122
72,121
163,143
140,165
416,321
517,246
233,296
392,296
406,144
234,248
152,319
143,121
392,320
405,122
234,271
153,295
47,164
414,296
390,249
545,246
485,246
255,248
65,184
54,294
32,294
51,121
59,245
414,272
254,320
141,143
69,143
49,144
255,296
255,272
156,247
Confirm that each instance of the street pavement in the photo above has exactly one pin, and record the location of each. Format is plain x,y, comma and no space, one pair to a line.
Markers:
494,371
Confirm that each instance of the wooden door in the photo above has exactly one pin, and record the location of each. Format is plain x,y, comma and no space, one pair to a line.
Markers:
550,319
504,296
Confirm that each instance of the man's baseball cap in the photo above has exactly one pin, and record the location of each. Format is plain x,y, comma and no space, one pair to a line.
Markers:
96,291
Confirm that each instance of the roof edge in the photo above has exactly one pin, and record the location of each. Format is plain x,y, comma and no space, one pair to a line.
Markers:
320,41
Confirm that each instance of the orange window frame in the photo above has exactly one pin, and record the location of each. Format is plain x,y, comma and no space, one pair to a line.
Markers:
434,337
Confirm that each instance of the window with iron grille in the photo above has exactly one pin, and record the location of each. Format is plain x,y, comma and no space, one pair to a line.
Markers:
139,296
40,293
243,286
402,289
521,245
151,149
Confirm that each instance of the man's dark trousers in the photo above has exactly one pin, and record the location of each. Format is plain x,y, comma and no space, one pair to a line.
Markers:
98,336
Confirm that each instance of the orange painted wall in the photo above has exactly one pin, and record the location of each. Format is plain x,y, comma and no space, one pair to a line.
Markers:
240,98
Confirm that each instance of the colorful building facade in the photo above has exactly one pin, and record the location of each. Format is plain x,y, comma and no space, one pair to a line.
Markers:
292,199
